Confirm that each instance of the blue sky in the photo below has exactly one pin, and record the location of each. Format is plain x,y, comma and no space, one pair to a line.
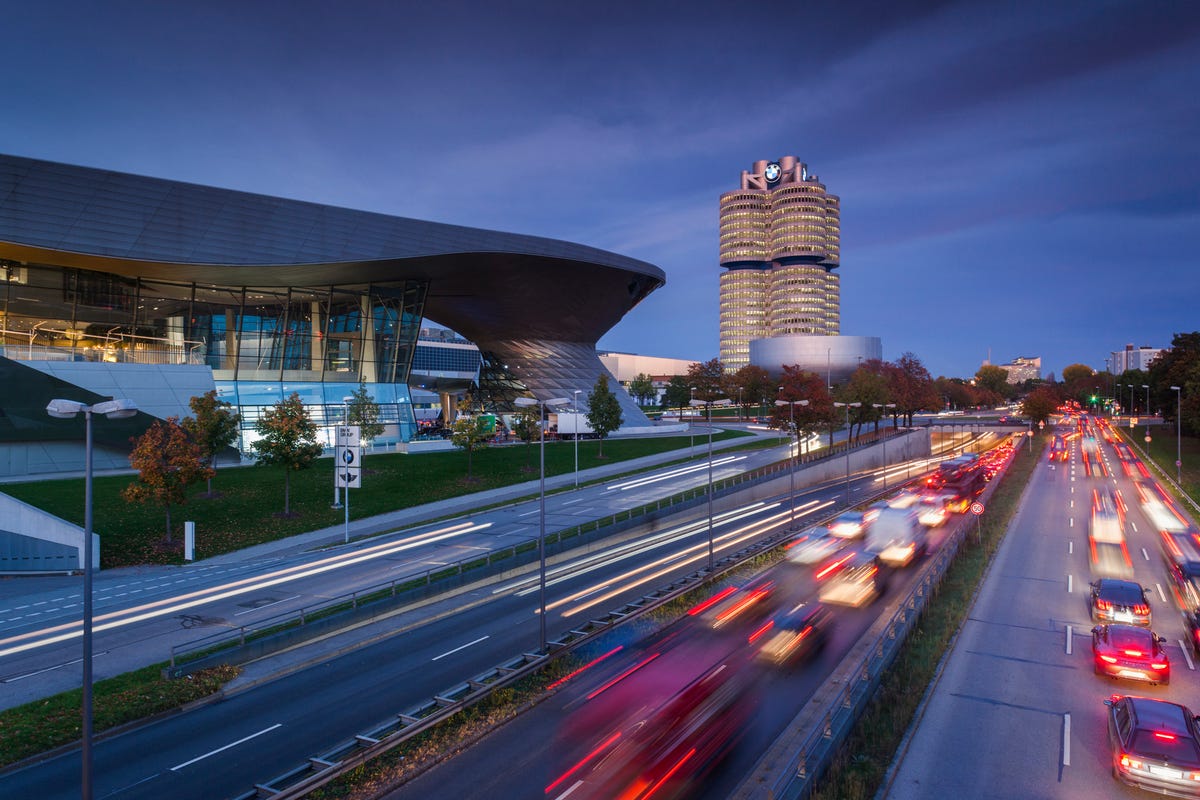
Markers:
1019,178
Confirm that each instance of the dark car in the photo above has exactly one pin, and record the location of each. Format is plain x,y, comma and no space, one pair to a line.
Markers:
1182,555
1154,745
1127,651
795,634
1115,600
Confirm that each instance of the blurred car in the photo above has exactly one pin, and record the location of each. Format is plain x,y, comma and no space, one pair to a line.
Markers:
1181,552
932,511
1127,651
1154,745
1157,508
1058,449
1108,520
849,525
797,633
1110,559
813,546
737,604
872,512
855,578
1115,600
905,499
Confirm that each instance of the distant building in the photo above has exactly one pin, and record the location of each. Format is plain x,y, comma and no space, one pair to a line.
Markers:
1132,358
779,246
834,358
1023,369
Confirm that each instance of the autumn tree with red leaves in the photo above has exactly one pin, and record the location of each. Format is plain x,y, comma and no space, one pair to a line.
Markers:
168,461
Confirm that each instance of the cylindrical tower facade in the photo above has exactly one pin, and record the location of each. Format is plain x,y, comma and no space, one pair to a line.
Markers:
780,243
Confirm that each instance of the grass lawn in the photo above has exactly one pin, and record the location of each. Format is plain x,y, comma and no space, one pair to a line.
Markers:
1163,447
249,507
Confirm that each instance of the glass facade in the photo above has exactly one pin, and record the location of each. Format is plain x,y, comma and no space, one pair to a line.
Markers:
262,344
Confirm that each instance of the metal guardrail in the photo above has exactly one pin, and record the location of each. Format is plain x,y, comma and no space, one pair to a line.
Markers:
838,704
1158,468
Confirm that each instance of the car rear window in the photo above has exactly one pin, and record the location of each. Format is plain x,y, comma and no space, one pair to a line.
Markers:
1179,750
1124,637
1123,594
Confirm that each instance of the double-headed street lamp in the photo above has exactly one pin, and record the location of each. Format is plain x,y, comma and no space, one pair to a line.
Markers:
553,402
66,409
791,404
1178,436
708,404
885,461
848,406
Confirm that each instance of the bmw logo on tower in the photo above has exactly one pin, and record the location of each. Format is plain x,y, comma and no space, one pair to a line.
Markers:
773,172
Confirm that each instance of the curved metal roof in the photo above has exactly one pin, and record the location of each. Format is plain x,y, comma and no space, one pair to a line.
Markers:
485,284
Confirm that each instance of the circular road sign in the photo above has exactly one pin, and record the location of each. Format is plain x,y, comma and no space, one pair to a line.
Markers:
977,508
1147,440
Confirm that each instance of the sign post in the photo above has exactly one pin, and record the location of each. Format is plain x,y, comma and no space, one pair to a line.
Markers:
977,509
347,467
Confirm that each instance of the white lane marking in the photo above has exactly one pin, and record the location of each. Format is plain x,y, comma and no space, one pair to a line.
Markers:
1145,555
1133,525
226,747
455,650
1070,583
1070,548
1186,655
1070,639
576,500
1072,525
265,605
1160,592
1072,504
527,513
1072,490
1066,740
34,674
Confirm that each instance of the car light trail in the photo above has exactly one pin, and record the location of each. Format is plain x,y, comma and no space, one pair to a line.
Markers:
171,605
719,462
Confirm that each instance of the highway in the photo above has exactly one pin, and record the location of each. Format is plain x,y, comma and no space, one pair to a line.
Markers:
223,748
1021,668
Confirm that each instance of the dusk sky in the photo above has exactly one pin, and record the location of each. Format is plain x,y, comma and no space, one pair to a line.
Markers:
1022,181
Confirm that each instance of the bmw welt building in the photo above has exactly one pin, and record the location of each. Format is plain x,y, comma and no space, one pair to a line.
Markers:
117,285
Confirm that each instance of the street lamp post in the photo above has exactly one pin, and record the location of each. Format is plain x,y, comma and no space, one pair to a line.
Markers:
848,406
1178,437
1146,427
885,461
708,404
66,409
575,397
791,404
554,402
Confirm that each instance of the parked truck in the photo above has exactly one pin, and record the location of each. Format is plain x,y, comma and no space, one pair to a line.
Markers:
896,536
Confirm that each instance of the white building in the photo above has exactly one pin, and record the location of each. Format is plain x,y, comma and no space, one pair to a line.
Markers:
1132,358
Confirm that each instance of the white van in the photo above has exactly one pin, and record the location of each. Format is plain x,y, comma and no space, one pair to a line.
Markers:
897,536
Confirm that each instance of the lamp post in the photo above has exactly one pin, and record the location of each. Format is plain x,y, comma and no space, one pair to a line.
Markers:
1178,436
337,503
1146,427
791,404
708,404
885,461
847,406
553,401
575,397
692,402
66,409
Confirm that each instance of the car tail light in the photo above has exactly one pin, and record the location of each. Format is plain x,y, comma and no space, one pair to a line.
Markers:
1166,737
1102,605
1141,608
1163,665
1109,659
1131,763
1135,653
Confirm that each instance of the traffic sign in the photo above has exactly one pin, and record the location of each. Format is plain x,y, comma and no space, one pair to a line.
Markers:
1147,440
348,455
977,508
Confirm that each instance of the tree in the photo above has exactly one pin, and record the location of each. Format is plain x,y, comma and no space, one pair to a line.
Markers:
363,411
214,428
642,388
604,412
471,433
867,385
289,440
910,387
1075,372
993,378
797,384
751,385
168,461
677,393
1179,366
707,379
527,426
1039,404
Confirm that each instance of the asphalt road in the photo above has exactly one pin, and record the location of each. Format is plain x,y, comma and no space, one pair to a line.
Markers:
1017,711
